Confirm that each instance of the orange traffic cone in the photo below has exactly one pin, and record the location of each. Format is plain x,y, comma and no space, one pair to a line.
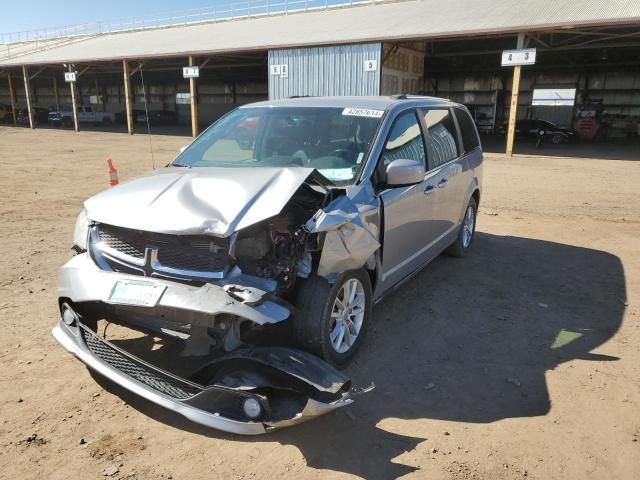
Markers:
113,173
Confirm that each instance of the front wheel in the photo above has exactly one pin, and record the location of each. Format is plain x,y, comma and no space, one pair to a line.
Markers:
331,319
467,230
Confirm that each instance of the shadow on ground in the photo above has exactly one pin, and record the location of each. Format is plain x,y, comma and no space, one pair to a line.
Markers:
474,328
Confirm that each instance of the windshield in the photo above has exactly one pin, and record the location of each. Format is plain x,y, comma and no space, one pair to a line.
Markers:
335,141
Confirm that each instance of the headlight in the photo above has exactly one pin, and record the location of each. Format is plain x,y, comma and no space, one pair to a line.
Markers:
81,231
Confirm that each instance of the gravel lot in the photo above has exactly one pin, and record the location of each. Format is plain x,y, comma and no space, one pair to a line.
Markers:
521,360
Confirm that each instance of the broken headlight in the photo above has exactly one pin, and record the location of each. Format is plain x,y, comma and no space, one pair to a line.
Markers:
81,233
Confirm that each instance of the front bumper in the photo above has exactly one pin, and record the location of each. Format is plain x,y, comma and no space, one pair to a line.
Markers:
291,386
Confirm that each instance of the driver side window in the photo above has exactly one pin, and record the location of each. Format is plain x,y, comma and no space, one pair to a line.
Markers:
405,141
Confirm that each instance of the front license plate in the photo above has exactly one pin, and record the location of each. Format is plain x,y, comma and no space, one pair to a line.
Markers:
140,293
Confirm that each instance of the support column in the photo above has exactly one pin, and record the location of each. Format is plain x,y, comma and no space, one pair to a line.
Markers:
194,101
56,93
127,96
27,92
74,104
515,91
12,95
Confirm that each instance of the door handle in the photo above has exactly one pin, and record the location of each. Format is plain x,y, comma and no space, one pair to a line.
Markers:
429,189
442,183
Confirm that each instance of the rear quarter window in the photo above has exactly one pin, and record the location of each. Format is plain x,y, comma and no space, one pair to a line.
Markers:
468,131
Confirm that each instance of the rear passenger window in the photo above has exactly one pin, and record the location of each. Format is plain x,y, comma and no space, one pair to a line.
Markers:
467,130
442,142
405,140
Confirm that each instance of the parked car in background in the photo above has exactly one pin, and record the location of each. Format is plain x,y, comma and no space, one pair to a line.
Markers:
163,117
530,129
6,114
139,116
293,229
40,116
64,117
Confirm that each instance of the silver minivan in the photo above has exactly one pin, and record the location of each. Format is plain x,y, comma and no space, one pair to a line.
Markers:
256,256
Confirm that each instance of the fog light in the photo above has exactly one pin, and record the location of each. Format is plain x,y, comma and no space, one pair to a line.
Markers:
252,408
68,316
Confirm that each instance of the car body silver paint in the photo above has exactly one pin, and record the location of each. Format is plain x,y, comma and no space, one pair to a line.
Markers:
186,201
190,201
81,280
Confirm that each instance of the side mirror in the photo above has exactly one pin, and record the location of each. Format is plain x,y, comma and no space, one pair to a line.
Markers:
404,172
183,148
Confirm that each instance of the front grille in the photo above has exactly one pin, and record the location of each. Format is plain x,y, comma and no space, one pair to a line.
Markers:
152,377
123,242
179,256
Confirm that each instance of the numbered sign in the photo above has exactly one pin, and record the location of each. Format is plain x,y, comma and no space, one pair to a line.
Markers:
69,77
284,70
523,56
275,69
370,65
190,72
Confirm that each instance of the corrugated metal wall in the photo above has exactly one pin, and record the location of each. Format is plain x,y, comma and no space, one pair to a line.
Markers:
338,70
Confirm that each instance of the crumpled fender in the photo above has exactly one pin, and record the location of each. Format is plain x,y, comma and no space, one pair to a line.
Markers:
349,241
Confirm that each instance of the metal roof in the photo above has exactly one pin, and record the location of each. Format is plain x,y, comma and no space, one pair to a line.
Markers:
382,21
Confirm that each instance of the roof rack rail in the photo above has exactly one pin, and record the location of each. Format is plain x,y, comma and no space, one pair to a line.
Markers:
405,96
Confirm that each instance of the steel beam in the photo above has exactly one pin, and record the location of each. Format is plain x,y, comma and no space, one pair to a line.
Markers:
56,93
12,95
127,96
74,105
515,91
194,101
27,92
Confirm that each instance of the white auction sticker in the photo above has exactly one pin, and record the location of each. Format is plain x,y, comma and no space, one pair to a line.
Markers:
362,112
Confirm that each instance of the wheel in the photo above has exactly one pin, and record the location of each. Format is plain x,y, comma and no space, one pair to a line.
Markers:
332,319
106,121
66,122
558,138
467,230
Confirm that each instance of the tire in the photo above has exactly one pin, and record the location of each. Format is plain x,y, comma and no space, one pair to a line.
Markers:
558,138
313,324
461,246
106,122
67,122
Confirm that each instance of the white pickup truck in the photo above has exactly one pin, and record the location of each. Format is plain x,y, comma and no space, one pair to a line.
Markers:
64,116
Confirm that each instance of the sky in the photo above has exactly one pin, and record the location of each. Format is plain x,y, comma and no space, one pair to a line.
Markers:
37,14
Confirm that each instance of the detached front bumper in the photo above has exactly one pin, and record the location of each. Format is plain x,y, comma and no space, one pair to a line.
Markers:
289,386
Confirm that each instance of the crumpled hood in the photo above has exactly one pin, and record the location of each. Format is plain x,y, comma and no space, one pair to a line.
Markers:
211,201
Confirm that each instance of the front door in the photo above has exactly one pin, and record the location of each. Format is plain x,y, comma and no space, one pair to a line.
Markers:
407,211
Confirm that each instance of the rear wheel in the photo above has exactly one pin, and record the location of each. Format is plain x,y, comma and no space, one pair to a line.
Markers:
558,138
332,319
467,230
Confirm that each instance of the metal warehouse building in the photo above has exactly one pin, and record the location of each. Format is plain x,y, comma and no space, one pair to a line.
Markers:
588,50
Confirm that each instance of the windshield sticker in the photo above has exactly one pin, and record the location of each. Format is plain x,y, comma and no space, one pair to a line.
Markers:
359,159
362,112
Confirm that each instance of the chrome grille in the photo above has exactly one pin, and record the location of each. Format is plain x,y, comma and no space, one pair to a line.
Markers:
183,257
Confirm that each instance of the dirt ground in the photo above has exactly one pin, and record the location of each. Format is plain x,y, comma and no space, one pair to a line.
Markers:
521,360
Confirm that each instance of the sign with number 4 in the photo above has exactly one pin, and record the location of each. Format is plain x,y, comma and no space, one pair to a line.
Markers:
523,56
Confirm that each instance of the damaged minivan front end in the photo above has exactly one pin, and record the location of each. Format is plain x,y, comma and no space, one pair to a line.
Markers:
210,283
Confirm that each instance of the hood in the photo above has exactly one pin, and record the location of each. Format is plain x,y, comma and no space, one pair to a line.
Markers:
188,201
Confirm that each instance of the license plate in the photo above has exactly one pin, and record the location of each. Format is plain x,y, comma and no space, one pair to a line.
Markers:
140,293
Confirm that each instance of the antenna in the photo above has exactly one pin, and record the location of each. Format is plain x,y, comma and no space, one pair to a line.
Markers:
146,114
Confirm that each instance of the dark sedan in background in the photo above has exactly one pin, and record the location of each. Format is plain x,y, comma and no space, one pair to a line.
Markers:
531,129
